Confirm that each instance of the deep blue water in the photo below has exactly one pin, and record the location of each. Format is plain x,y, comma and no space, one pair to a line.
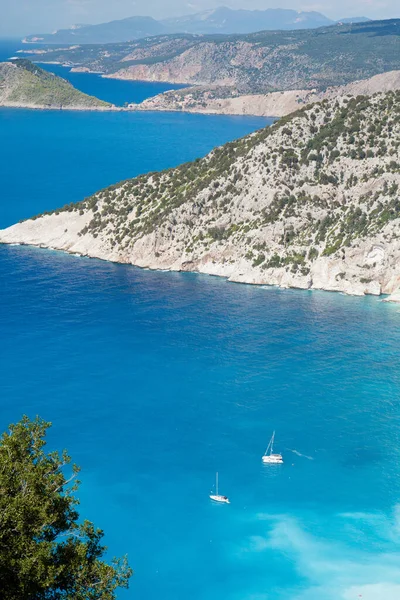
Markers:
118,93
51,158
154,381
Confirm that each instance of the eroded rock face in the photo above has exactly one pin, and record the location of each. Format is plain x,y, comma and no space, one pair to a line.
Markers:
311,202
375,255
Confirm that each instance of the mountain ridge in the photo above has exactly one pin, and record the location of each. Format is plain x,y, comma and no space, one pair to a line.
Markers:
220,20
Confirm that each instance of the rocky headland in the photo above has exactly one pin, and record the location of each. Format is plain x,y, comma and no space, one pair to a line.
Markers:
311,202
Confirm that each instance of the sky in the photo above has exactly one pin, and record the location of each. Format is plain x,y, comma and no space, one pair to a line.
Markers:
22,17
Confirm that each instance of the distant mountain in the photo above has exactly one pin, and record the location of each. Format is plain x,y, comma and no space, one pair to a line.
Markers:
124,30
226,20
219,21
354,20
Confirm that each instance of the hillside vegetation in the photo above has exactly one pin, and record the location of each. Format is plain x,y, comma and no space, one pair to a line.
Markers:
24,84
253,63
311,202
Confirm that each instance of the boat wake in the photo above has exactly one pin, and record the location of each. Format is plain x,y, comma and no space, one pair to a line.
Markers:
300,454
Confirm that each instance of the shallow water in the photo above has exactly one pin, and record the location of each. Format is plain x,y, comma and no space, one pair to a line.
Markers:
154,381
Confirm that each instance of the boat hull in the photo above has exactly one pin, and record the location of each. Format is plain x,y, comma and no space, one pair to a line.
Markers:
272,460
220,499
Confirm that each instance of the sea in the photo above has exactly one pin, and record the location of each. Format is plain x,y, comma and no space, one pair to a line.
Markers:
156,381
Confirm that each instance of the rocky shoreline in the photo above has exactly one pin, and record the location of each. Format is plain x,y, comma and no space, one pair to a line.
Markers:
20,105
48,236
214,100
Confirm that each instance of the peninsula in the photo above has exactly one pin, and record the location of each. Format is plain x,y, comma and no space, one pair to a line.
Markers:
311,202
25,85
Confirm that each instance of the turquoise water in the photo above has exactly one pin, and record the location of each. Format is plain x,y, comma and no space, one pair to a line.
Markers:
154,381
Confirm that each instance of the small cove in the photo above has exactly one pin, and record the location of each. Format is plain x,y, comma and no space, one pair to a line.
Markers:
118,92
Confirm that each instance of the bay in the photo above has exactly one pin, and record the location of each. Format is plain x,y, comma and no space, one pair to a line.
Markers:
155,381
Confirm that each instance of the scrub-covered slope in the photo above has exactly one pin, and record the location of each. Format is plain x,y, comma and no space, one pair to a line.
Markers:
311,202
23,84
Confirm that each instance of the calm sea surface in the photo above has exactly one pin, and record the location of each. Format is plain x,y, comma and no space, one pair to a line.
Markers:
155,381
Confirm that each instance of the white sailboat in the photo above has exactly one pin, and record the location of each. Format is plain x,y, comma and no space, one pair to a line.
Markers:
269,456
217,497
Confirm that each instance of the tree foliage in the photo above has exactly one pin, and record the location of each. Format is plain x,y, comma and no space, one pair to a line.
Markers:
45,552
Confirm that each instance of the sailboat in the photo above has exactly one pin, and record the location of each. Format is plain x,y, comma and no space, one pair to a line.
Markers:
269,456
217,497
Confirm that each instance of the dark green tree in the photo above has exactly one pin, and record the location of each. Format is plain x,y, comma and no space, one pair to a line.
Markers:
45,553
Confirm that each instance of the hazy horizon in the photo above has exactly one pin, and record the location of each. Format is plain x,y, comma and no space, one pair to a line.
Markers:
23,17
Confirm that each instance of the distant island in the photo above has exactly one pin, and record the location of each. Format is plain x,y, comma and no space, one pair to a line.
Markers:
221,20
25,85
311,202
233,74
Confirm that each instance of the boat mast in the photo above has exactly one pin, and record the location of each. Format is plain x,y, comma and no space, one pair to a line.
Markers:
217,482
272,443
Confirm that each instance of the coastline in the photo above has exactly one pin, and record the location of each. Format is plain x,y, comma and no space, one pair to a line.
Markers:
212,272
18,105
205,100
201,99
204,111
80,246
